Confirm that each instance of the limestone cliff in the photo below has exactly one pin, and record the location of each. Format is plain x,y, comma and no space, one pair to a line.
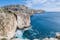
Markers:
13,17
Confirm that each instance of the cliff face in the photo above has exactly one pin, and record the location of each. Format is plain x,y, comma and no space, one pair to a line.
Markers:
8,25
14,16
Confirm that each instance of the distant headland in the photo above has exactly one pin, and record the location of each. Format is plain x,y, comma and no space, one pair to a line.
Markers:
20,9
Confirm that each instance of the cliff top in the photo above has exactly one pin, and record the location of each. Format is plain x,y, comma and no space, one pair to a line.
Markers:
19,9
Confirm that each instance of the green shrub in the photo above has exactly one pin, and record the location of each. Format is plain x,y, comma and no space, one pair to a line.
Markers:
3,39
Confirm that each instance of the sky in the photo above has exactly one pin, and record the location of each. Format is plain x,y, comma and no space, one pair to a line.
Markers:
47,5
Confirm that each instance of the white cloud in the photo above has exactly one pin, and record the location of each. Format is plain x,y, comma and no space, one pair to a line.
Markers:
51,9
31,3
38,1
48,5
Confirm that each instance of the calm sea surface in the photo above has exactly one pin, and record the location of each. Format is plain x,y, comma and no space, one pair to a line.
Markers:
43,25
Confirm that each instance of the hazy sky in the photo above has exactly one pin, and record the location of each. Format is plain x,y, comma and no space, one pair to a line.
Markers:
48,5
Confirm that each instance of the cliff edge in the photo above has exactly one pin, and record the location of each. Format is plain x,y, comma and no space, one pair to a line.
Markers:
19,9
13,17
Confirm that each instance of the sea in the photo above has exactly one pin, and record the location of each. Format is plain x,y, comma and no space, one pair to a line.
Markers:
43,25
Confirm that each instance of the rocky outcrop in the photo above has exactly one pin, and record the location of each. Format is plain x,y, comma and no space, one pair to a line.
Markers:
13,17
8,25
21,9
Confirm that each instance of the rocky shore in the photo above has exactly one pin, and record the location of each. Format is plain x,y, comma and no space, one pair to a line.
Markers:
37,39
13,17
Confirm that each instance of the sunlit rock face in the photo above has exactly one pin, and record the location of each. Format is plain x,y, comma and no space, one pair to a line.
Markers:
23,20
8,25
58,35
10,21
13,17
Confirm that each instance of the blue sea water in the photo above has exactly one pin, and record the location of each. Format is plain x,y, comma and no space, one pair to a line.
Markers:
43,25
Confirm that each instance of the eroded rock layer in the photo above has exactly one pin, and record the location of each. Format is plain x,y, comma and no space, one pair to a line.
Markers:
14,16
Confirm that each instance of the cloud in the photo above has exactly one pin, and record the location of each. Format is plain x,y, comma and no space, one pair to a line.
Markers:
51,9
51,5
31,3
